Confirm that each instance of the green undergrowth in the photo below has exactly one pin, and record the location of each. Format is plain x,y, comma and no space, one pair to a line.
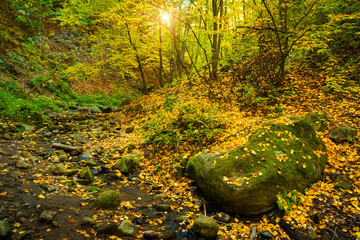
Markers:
17,105
180,123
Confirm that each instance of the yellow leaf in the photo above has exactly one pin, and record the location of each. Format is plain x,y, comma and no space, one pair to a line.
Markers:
17,224
41,196
3,193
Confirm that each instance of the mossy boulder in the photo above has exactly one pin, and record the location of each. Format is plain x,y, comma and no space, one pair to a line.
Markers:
108,199
343,134
277,157
128,163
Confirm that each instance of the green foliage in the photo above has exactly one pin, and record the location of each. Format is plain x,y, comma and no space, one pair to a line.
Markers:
184,123
287,199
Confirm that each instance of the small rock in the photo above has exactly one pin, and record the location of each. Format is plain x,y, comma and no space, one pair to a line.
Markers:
86,174
205,227
343,134
62,156
20,215
26,235
168,234
28,128
47,216
108,199
86,156
108,109
5,229
222,217
88,221
136,180
129,129
6,137
106,126
126,229
182,219
19,136
37,190
150,235
265,235
23,164
95,109
164,207
128,163
131,147
107,228
59,169
311,233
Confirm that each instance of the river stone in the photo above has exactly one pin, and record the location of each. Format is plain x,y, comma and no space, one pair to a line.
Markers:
127,229
276,158
5,229
47,216
23,164
59,169
150,235
28,128
205,227
95,109
86,174
108,199
128,163
86,156
343,134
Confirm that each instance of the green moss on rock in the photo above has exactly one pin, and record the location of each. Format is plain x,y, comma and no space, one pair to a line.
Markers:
277,157
108,199
128,163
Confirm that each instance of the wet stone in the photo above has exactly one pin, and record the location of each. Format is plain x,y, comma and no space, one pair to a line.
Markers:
222,217
88,221
168,234
47,216
5,229
106,228
265,235
126,229
150,235
164,207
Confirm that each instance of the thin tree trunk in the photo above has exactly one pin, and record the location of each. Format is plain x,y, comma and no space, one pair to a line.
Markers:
161,66
138,59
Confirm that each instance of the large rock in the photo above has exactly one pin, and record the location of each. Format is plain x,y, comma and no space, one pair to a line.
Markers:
128,163
277,157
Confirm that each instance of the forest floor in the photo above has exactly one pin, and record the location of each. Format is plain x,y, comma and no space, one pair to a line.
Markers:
158,195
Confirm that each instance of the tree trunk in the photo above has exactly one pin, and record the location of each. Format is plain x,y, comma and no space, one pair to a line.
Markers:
161,66
138,59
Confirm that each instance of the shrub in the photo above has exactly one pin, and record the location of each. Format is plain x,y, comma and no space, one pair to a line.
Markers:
178,123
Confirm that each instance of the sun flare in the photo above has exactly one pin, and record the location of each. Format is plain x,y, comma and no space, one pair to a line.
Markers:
165,18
